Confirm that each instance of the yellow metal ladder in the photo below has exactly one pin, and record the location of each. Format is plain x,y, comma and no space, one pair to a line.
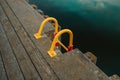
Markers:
57,34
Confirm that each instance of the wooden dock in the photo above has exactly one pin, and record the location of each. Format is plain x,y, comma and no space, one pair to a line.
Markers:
22,57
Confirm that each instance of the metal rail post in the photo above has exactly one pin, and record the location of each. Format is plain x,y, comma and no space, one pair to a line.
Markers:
51,52
39,33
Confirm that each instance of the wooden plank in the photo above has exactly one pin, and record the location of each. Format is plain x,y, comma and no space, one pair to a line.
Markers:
76,66
24,61
72,67
91,66
31,17
10,63
3,75
37,59
44,43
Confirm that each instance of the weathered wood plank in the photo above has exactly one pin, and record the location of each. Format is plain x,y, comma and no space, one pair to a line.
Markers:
29,16
72,67
30,30
3,75
37,59
24,61
91,66
76,66
10,63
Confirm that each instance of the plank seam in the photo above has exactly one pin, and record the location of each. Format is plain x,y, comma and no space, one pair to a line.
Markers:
12,47
4,66
22,42
31,40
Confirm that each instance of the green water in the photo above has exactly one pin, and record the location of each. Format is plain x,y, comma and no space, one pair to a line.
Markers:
95,24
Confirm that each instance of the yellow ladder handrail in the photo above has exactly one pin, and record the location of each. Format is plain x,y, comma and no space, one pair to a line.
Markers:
39,33
51,52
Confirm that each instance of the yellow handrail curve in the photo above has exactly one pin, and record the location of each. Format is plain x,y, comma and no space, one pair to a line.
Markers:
39,33
51,52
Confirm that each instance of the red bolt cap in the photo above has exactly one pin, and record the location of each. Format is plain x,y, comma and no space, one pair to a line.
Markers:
57,44
70,48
